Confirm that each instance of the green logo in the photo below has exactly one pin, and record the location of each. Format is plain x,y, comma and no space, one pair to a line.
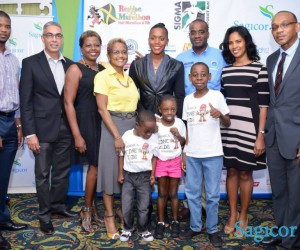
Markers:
13,41
38,26
266,12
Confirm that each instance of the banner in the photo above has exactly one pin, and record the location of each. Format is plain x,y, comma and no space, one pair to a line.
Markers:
25,40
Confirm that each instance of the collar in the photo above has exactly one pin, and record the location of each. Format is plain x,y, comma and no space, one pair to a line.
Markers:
292,49
112,71
204,51
6,51
61,58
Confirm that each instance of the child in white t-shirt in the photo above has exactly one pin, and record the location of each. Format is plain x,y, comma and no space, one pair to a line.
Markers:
136,173
203,110
171,137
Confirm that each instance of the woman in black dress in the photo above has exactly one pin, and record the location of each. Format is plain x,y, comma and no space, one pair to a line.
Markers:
84,119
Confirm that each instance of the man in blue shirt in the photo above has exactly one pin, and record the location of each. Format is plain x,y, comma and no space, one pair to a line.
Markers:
201,52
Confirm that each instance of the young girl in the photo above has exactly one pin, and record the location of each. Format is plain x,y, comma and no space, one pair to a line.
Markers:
171,137
203,110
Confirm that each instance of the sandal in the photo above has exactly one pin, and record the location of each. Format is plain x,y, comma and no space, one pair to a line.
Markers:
111,235
86,221
228,229
95,216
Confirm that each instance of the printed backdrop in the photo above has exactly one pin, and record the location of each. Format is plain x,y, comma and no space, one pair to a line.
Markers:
132,20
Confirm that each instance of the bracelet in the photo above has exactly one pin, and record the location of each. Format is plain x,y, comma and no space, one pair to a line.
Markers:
262,131
19,126
117,138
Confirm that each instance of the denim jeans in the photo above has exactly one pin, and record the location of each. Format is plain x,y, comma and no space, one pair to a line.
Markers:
209,170
8,133
136,185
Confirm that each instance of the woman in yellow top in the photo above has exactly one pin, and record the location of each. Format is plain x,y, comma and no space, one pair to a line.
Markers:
117,97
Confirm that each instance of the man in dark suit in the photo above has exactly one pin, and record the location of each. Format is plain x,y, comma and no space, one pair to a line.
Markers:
45,125
11,136
282,131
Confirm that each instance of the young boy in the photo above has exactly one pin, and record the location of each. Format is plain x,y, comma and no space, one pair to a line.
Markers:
203,110
136,173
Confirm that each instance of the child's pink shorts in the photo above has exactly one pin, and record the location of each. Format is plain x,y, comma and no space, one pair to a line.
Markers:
170,168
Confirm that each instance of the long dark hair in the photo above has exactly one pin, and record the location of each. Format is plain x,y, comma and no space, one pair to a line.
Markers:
252,52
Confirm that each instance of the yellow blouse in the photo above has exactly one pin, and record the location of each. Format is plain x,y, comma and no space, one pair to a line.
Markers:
120,98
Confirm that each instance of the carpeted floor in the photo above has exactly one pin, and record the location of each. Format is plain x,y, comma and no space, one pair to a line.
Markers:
68,234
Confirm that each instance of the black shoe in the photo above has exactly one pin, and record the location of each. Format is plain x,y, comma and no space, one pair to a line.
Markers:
215,239
187,235
175,229
4,244
11,226
65,213
46,228
159,231
268,241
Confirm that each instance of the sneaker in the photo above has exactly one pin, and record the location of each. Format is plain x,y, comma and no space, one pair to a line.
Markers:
125,235
147,236
187,235
159,231
175,229
215,239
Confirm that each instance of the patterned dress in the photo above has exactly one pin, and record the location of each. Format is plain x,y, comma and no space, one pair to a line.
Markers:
246,90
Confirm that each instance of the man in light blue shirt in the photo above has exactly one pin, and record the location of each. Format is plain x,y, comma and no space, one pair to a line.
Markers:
201,52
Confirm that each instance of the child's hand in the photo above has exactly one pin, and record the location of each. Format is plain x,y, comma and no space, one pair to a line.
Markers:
121,178
183,162
152,180
214,112
175,132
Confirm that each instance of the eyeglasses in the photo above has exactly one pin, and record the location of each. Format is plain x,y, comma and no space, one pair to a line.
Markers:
284,26
118,52
197,32
58,36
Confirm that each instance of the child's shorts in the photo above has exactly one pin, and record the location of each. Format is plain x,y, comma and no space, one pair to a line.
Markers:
170,168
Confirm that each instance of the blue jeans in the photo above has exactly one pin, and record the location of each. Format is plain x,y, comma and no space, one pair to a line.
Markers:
209,170
8,133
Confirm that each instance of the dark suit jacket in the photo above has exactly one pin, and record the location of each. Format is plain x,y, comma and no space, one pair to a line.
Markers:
283,120
40,102
172,83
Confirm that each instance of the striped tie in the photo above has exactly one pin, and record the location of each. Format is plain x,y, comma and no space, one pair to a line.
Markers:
278,78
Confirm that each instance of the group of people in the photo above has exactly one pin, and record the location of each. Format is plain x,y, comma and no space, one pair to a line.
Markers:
128,128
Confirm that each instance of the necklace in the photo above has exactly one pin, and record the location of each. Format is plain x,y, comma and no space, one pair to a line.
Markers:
89,67
127,83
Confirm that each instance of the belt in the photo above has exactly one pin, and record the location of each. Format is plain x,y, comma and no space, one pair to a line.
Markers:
138,173
7,114
123,115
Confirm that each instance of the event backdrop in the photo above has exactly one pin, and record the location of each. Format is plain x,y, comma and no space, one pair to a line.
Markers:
132,20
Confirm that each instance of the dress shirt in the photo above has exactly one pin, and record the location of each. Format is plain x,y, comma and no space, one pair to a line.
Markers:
210,56
57,70
9,83
288,59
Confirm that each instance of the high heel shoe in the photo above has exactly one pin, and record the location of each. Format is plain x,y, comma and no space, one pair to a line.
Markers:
111,235
242,225
228,229
95,216
88,228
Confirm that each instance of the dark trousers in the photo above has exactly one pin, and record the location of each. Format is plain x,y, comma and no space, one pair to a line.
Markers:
52,168
136,185
285,183
8,133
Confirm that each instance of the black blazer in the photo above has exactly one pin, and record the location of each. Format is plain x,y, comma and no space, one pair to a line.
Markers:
41,104
172,83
